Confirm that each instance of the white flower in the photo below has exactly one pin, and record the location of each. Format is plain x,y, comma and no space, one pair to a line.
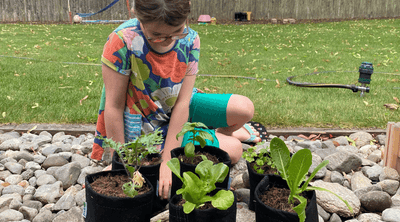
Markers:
137,45
167,96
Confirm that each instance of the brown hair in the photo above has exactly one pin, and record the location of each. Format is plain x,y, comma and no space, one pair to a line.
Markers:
171,12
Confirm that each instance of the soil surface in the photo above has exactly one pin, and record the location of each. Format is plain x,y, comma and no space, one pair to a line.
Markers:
277,198
197,159
112,185
207,205
266,168
146,162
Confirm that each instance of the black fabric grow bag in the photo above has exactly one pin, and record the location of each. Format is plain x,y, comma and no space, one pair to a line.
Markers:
266,213
106,208
254,179
151,172
219,153
176,213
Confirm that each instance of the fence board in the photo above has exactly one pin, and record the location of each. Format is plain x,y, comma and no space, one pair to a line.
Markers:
57,10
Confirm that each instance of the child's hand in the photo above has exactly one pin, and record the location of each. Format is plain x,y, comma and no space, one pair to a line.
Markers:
165,181
107,168
199,90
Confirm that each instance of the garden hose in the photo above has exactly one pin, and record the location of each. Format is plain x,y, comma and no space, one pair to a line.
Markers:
353,87
366,69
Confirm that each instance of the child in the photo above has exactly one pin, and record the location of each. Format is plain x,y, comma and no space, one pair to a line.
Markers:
149,70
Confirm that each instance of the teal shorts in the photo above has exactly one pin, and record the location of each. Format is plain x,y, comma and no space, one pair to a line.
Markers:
209,109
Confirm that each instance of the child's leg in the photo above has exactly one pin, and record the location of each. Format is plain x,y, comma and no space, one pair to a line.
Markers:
226,112
231,145
239,111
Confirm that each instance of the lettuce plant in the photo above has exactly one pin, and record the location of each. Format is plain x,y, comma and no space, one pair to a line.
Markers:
195,189
294,170
134,152
201,137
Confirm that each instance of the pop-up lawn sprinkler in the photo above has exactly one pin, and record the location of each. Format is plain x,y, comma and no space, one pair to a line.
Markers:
366,69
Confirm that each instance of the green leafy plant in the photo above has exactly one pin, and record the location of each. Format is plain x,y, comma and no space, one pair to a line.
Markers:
134,152
201,137
195,189
261,158
294,170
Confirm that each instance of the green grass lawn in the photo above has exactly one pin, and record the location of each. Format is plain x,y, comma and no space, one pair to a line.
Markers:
49,88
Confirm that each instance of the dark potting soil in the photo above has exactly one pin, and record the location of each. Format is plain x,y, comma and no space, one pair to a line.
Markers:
277,198
197,159
207,205
112,185
267,169
146,162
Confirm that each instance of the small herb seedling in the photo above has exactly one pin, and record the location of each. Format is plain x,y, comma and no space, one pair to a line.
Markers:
134,152
195,189
294,170
261,158
201,137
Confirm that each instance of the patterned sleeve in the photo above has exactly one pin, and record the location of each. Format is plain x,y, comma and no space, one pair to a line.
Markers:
115,54
194,55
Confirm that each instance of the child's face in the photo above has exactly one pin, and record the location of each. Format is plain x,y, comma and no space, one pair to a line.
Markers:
156,31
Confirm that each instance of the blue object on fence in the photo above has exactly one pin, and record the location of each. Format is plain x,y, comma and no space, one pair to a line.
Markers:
90,14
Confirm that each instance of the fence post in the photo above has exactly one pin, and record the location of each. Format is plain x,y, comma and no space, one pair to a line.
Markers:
392,146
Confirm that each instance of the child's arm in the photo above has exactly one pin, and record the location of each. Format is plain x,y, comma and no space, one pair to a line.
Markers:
116,85
179,116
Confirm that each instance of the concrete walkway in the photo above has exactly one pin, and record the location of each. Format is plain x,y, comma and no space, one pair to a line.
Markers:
76,129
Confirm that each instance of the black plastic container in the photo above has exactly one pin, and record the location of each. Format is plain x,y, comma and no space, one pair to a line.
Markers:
219,153
151,172
266,213
176,213
240,16
101,208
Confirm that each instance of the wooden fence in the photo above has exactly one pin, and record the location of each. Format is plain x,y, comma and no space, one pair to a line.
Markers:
57,10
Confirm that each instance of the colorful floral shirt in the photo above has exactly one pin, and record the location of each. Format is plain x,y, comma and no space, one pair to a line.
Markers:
155,79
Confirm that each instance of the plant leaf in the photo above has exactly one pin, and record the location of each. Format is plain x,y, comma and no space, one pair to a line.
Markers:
200,125
298,168
219,171
202,169
206,135
189,150
192,188
280,156
223,199
130,168
320,166
301,208
175,167
188,207
186,128
202,141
